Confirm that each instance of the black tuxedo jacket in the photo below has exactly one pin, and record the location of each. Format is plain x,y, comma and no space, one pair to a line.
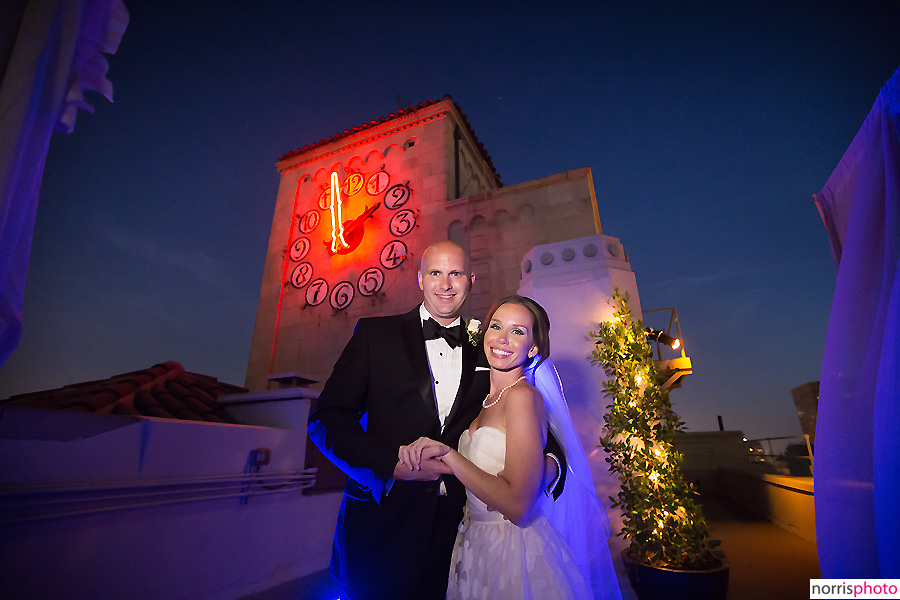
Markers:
379,397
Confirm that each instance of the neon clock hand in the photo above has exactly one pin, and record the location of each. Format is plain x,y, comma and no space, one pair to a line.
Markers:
350,226
345,235
337,221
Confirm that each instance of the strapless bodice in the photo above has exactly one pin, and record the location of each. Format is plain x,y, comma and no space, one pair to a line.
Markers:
486,448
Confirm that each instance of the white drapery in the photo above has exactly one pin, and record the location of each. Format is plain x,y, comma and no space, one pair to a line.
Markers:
857,479
50,54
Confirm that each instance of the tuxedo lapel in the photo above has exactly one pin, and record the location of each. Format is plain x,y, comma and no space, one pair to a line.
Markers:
414,342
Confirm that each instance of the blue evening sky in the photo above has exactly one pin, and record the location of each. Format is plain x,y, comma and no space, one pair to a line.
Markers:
708,125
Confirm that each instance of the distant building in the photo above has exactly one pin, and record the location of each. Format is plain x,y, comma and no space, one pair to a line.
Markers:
806,399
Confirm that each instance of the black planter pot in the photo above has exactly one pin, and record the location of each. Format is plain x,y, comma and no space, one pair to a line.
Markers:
660,583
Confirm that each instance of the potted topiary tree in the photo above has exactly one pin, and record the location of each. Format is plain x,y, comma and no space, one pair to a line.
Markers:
671,554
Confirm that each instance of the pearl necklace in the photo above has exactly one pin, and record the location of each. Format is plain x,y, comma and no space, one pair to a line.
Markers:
484,403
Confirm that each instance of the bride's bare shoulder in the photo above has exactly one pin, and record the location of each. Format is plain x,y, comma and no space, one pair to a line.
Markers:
525,399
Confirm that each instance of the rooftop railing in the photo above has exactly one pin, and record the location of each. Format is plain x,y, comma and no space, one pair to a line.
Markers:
772,458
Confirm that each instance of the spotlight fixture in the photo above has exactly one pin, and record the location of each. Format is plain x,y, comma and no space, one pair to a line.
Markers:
670,371
661,337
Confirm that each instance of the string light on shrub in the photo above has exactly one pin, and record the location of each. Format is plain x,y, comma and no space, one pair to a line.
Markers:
664,523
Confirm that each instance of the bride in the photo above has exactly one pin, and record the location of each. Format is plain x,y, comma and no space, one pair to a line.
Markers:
523,546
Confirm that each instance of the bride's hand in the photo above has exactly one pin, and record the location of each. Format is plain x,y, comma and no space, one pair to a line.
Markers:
421,450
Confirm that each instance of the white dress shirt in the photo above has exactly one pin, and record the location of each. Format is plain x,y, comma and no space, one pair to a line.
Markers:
446,368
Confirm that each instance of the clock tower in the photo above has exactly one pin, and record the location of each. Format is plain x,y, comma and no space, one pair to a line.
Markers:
355,211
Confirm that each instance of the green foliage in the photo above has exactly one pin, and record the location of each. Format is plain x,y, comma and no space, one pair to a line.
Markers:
662,518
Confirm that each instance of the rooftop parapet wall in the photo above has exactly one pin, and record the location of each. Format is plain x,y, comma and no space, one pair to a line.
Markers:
99,505
787,501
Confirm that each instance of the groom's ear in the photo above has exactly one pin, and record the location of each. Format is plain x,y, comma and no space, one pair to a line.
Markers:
420,280
471,281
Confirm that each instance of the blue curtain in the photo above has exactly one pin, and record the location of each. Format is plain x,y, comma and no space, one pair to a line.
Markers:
50,54
857,476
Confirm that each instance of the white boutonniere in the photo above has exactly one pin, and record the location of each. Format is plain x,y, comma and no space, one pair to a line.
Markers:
472,328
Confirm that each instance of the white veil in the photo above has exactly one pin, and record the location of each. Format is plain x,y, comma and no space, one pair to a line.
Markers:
577,514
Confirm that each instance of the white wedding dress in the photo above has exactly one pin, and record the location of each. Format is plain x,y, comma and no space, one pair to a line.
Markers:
495,559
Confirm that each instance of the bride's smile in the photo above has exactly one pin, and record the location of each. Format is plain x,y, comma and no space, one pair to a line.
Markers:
509,338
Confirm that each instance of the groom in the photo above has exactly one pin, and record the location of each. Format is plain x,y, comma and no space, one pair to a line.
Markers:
399,378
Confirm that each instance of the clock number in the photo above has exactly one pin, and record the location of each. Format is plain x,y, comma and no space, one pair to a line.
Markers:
299,249
403,222
353,184
342,295
377,183
325,199
316,292
370,281
309,221
396,196
301,275
393,254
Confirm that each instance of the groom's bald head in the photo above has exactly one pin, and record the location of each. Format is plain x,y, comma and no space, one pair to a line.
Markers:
445,246
445,279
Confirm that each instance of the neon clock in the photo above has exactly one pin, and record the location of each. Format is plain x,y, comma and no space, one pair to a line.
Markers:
327,259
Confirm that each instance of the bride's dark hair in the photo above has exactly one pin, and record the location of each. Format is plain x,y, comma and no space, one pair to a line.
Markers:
540,330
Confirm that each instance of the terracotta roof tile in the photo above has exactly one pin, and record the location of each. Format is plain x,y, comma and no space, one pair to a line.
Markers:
195,405
148,406
178,390
201,394
94,401
165,390
390,117
145,403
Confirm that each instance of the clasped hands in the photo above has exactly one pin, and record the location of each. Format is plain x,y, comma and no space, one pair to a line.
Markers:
422,461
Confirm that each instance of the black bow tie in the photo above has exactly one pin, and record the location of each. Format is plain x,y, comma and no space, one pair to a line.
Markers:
433,330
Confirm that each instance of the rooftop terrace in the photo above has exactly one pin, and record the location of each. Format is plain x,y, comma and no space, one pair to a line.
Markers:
766,561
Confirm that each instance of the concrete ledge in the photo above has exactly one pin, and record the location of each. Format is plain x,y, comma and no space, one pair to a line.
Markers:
154,508
786,501
286,408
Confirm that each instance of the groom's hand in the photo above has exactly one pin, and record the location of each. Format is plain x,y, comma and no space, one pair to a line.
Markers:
551,474
430,467
422,449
